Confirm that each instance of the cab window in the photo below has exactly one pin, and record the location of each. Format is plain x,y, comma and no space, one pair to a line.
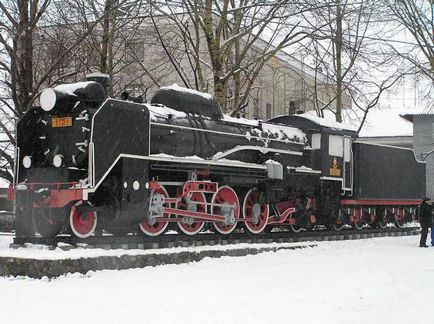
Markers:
336,145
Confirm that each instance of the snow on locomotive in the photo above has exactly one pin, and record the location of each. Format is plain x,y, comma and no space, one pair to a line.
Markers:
85,162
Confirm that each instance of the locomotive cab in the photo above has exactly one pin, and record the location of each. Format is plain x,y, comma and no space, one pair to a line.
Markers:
330,147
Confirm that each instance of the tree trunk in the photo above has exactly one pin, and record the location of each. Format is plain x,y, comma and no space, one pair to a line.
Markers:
213,42
338,47
105,41
22,59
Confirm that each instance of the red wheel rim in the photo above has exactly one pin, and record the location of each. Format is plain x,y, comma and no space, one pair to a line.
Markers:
225,195
357,218
82,225
250,200
196,226
382,221
161,224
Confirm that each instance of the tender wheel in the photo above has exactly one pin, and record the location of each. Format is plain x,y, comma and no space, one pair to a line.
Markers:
400,223
337,222
359,225
358,219
48,222
225,202
400,218
153,226
258,212
382,220
82,221
188,225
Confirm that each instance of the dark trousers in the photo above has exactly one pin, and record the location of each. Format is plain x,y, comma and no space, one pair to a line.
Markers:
423,236
432,236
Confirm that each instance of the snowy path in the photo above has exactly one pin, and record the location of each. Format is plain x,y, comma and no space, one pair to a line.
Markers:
366,281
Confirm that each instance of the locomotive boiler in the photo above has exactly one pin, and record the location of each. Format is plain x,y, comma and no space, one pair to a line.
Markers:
88,163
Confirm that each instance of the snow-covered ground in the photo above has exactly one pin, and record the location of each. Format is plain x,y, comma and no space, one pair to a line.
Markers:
382,280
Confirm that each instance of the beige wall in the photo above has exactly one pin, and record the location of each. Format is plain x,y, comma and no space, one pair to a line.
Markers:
283,83
280,85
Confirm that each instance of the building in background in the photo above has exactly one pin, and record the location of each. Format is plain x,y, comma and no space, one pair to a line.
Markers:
423,143
141,63
284,86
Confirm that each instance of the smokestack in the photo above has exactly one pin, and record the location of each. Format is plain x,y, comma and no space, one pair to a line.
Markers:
65,96
101,78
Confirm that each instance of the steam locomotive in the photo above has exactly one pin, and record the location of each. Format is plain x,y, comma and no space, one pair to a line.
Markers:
87,163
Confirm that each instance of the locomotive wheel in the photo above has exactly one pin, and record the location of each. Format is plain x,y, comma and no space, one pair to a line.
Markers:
337,221
82,224
225,196
382,220
193,227
250,207
48,223
295,228
359,222
359,225
158,227
400,220
400,223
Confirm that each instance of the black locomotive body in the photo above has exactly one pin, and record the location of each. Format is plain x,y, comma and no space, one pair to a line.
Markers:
88,163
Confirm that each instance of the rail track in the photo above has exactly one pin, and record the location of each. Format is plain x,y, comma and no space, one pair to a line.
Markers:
204,239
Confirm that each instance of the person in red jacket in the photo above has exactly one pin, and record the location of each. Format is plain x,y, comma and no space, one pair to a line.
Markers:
425,219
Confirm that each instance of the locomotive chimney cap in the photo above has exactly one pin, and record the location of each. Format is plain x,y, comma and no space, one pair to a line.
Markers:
97,75
101,78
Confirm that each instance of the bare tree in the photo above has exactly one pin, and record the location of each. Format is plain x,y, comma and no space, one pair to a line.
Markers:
339,46
351,52
231,41
34,31
416,17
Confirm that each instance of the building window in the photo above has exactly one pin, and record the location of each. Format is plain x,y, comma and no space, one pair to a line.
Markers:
134,51
268,107
255,108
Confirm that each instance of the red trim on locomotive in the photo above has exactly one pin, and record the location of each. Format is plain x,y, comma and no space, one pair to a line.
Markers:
60,198
380,202
199,186
11,192
280,219
57,197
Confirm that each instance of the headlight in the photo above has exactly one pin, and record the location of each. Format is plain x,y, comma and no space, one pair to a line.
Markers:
27,162
48,99
57,160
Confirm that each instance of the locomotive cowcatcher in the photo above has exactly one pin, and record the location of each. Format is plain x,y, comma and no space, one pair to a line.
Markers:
87,163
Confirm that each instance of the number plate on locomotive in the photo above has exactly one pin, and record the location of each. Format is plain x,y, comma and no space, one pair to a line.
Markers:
61,122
